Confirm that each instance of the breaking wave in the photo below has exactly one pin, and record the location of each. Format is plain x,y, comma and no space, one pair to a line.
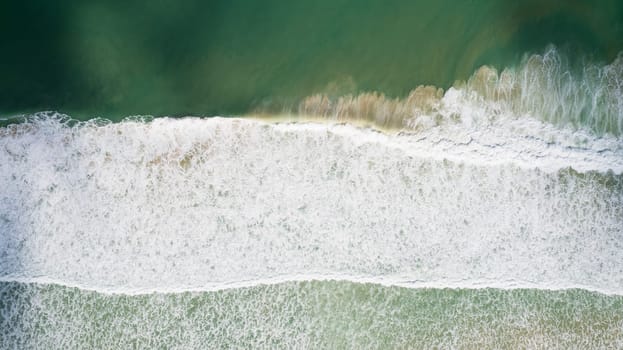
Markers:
205,204
543,86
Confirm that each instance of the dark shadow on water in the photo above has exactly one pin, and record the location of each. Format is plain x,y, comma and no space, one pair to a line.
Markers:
33,65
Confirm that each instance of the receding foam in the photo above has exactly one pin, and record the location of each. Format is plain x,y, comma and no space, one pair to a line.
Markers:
203,204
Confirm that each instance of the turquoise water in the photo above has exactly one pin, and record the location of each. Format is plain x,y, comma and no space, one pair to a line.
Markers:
396,174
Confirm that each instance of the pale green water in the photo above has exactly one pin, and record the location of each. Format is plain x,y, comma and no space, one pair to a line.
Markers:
337,315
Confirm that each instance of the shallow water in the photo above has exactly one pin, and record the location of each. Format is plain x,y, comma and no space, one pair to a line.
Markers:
309,315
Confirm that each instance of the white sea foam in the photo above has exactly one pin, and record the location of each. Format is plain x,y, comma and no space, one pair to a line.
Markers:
196,204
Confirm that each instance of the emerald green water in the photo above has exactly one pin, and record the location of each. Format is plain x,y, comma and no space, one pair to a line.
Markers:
118,58
335,315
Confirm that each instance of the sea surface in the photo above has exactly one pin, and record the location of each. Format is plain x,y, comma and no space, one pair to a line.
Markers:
311,174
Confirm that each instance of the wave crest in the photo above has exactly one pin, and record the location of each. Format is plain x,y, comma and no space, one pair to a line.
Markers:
543,86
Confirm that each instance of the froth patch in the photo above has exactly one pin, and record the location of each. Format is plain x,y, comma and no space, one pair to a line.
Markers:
206,203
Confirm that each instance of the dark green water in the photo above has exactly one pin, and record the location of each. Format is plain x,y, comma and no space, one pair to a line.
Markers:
118,58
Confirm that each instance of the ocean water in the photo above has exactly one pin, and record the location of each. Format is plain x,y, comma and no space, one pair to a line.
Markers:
311,175
113,58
